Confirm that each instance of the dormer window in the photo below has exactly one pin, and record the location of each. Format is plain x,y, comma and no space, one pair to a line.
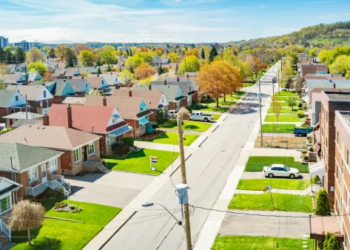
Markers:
86,85
44,93
67,88
16,98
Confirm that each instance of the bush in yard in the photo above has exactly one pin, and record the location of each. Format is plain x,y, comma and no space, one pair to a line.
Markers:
189,109
303,151
300,114
128,141
315,179
331,242
120,149
322,203
305,157
160,117
300,105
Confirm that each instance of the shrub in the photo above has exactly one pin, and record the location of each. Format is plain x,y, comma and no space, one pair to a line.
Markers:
300,105
60,205
189,109
331,242
303,151
155,126
160,117
169,123
305,157
129,141
315,179
300,114
322,203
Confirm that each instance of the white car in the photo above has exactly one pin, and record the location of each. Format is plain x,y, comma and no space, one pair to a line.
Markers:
280,170
198,116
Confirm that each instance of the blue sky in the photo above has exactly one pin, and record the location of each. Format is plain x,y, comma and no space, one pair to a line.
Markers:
162,20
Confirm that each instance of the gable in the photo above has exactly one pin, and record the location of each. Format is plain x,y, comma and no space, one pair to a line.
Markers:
115,118
67,90
44,94
6,183
143,107
20,100
178,93
163,101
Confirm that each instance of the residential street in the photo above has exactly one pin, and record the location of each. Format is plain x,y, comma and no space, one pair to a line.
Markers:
207,171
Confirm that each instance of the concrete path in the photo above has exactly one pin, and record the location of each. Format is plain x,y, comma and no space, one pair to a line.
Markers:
161,146
276,152
286,225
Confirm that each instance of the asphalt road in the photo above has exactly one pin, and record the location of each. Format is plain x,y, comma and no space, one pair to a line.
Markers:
207,171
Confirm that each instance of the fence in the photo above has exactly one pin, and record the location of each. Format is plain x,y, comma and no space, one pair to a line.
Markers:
281,144
5,229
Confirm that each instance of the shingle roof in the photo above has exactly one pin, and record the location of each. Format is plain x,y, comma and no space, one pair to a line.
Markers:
23,115
170,91
74,100
128,107
11,78
59,72
49,137
5,97
320,83
33,76
17,157
20,123
93,80
32,92
151,97
60,88
77,84
187,86
85,118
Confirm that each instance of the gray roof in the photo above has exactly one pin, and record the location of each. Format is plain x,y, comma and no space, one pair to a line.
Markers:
22,122
325,84
5,97
23,156
170,91
338,96
34,76
77,84
187,86
22,115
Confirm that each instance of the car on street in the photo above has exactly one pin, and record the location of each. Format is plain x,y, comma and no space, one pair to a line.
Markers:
198,116
280,170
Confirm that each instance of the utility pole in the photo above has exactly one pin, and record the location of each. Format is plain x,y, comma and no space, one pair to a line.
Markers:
25,74
261,130
180,116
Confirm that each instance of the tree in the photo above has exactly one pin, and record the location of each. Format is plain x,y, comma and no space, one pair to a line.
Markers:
34,55
160,117
51,53
160,70
322,203
202,54
313,52
144,71
37,67
84,74
174,57
292,101
341,65
9,58
127,76
192,52
331,242
299,84
276,108
48,76
2,84
27,215
146,81
189,64
70,57
213,53
61,50
86,58
20,55
134,62
107,56
94,92
2,55
99,70
219,78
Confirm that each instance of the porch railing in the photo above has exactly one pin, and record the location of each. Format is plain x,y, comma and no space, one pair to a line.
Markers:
4,228
59,178
35,191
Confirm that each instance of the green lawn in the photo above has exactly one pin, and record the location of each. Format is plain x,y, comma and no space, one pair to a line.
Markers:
285,110
281,128
286,93
188,125
238,242
281,202
248,84
256,163
173,139
64,235
139,162
283,118
262,184
216,117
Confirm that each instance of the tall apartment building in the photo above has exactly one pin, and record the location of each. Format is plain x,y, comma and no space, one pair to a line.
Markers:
342,172
4,42
26,46
331,102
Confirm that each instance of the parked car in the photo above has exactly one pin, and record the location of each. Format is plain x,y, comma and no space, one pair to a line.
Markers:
172,113
280,170
198,116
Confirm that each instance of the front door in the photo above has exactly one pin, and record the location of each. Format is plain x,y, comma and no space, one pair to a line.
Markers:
85,152
43,173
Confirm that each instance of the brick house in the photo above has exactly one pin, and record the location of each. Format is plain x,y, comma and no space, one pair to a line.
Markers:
313,68
134,111
331,102
77,146
97,83
38,97
11,101
106,122
155,100
80,86
59,89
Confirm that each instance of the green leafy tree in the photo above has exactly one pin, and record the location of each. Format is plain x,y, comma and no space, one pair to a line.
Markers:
61,51
51,53
292,101
35,55
7,48
20,55
213,53
331,242
160,117
202,54
94,92
127,76
189,64
71,58
174,57
322,203
99,71
133,62
160,70
312,52
37,67
9,58
108,56
86,58
2,55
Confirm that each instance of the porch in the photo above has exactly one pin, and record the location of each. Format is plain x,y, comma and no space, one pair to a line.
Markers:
54,182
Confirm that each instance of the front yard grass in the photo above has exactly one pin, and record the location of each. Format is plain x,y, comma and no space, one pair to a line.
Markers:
281,128
173,139
248,84
281,202
257,163
285,93
283,118
139,162
257,243
187,125
65,235
285,110
262,184
216,117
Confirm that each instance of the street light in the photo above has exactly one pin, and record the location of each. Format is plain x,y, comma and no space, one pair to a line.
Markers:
151,204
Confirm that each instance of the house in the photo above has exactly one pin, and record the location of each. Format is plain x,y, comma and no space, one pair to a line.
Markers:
172,93
106,122
97,83
11,101
302,57
188,88
12,118
71,72
331,102
324,77
32,77
80,86
60,89
134,111
111,79
14,79
38,97
155,100
59,73
78,147
74,100
325,84
313,68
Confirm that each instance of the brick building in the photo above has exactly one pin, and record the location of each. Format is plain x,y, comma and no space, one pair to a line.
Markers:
313,68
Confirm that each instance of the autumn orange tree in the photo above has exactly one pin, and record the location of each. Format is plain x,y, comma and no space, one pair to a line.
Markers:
192,52
144,71
219,78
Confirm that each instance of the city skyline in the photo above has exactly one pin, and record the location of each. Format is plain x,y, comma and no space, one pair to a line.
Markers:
192,21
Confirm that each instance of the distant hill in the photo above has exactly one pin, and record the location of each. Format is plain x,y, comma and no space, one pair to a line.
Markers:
318,35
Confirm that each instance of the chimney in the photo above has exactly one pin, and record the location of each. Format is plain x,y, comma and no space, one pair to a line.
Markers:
178,78
69,116
43,84
188,76
130,93
334,86
82,77
46,120
98,75
64,80
149,87
165,82
104,101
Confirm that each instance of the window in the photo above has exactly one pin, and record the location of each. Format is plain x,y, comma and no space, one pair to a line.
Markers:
53,165
67,88
33,174
44,93
5,204
77,155
86,85
41,104
16,98
91,148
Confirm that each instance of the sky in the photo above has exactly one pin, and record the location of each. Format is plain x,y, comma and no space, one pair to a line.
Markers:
192,21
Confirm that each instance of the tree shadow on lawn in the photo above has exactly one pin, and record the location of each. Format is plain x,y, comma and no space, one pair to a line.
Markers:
43,243
190,127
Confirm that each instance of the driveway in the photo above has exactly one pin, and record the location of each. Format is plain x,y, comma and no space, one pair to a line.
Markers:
112,189
283,225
